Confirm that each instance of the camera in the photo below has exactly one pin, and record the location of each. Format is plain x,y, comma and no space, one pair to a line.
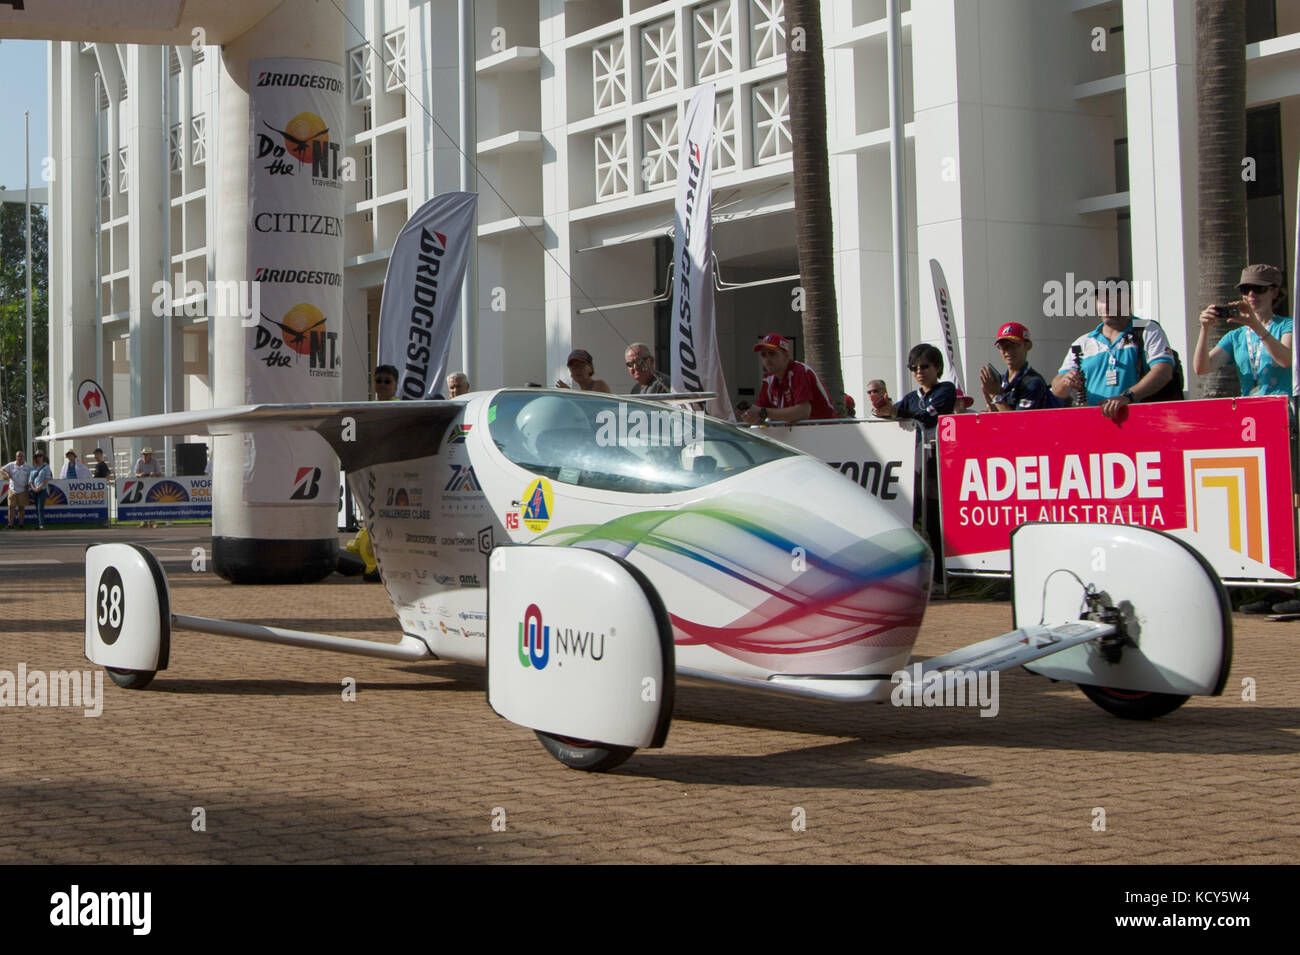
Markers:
1224,311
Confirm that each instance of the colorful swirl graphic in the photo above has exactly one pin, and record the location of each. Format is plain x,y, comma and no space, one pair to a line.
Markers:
833,606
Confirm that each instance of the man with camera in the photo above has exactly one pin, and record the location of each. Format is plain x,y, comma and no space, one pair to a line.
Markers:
1106,365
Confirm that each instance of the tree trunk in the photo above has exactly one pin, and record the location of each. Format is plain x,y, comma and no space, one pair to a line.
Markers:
806,84
1221,147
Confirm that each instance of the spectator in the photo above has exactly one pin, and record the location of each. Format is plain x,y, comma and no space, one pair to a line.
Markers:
73,468
146,466
457,384
1260,344
850,407
582,370
41,477
1020,388
385,383
641,366
19,475
791,390
931,399
101,468
877,393
1111,373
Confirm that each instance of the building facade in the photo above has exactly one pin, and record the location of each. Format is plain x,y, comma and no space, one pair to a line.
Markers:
1044,142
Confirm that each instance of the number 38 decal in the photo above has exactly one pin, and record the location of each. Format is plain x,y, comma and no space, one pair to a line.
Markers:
110,605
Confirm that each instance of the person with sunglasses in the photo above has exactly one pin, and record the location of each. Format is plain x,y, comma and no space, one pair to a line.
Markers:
641,366
791,391
1109,371
931,399
582,369
385,383
1260,342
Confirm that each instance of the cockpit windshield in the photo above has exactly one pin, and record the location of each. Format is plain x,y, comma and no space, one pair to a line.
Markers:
639,447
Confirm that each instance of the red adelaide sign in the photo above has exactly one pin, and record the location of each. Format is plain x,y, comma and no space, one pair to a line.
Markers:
1214,473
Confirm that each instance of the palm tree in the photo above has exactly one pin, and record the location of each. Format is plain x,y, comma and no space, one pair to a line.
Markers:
1221,146
806,82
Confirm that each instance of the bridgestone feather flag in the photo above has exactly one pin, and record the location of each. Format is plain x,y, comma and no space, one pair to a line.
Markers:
696,364
417,313
947,323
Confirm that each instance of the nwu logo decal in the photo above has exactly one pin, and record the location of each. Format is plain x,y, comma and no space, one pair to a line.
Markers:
306,485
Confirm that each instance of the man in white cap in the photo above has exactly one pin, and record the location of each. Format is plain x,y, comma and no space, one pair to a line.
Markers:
146,466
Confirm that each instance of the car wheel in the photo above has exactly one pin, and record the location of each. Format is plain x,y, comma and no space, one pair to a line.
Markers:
131,679
586,756
1133,704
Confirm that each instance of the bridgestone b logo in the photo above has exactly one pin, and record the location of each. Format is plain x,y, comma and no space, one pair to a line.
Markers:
306,485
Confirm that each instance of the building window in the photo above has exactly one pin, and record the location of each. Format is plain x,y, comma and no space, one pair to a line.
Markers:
1265,205
121,89
367,117
612,178
712,25
771,118
368,169
176,147
123,170
359,73
609,85
103,176
199,144
724,132
173,63
658,58
199,56
659,149
766,31
395,61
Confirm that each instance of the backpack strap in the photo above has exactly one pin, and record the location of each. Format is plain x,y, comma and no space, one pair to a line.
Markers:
1143,368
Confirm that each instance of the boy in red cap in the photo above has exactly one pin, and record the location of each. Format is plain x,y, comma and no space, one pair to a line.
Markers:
791,390
1021,388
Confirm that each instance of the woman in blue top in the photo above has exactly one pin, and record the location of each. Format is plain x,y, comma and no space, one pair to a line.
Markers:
41,477
1260,344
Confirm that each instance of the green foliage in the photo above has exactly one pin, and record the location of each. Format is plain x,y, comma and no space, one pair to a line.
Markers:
13,325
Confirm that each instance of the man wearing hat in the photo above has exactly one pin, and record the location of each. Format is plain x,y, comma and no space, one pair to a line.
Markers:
1259,343
1021,388
791,390
1111,370
146,466
582,369
73,468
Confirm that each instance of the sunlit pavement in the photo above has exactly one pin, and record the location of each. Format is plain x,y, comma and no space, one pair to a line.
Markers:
418,768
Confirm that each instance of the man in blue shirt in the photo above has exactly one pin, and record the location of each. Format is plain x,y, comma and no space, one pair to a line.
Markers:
1111,369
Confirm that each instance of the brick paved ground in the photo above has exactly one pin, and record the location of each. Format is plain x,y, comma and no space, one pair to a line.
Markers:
260,737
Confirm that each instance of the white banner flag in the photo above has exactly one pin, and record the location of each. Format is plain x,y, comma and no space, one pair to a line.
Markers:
696,364
94,405
417,314
947,323
295,255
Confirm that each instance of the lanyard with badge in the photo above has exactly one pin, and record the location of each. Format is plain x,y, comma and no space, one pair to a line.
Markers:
1112,369
1254,352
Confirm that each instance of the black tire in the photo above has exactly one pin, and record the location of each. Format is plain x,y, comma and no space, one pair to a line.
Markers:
1133,704
131,679
350,565
580,754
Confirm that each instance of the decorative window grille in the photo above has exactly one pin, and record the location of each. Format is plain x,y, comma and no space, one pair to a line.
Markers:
368,161
725,147
395,61
173,63
123,170
121,89
103,176
766,31
712,25
658,58
771,118
199,144
608,74
176,147
367,117
612,175
359,82
659,145
199,56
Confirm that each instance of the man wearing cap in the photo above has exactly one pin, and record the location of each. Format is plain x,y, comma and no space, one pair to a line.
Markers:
791,390
146,466
582,370
1111,368
1021,388
1260,341
641,366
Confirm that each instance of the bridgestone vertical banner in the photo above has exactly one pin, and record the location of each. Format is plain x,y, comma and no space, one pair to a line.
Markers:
418,311
696,364
295,255
947,324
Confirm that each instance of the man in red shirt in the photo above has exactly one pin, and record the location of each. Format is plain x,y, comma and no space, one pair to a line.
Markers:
791,390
